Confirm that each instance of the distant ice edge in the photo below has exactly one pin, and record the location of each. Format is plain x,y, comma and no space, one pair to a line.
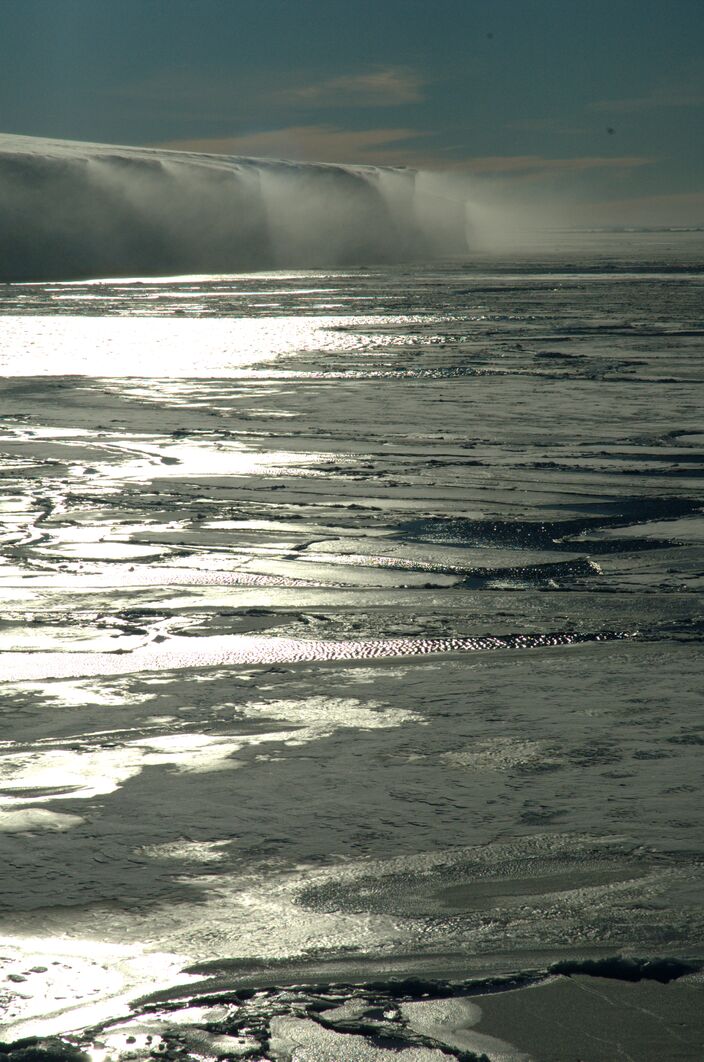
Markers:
73,211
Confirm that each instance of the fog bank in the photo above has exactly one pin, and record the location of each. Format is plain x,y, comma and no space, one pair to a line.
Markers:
71,210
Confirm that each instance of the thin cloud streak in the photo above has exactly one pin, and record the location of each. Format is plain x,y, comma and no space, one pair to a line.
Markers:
311,143
538,165
397,146
390,87
220,96
652,102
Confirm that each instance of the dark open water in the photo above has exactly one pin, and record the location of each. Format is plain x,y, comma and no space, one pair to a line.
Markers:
351,633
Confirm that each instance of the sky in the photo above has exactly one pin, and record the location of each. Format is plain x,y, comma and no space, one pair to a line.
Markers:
595,102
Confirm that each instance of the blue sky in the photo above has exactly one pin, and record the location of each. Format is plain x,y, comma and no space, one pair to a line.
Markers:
599,99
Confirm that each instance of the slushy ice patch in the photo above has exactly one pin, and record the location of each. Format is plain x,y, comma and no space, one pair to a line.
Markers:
73,210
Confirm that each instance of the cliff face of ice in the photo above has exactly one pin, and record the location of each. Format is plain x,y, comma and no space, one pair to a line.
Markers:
71,210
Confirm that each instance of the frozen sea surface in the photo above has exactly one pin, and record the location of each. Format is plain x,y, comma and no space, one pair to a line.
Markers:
351,640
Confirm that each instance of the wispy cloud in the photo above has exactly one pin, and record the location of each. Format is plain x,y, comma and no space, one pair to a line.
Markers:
224,96
400,146
659,98
313,143
387,87
538,165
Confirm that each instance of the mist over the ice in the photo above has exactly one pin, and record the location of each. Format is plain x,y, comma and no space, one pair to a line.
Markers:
71,210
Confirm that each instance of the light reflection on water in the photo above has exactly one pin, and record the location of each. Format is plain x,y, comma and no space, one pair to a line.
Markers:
183,653
354,529
158,346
